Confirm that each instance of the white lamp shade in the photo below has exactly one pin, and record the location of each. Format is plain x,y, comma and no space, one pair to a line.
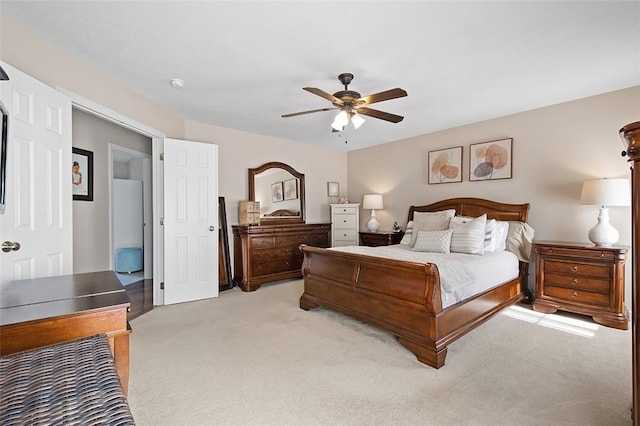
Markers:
372,201
606,192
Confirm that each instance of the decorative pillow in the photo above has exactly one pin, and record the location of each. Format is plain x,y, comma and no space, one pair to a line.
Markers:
502,229
430,221
520,240
469,237
406,238
490,234
433,241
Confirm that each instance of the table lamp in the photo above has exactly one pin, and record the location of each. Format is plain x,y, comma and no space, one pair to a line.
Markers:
604,193
373,202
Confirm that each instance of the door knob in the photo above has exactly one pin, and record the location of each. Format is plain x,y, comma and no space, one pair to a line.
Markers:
212,228
7,246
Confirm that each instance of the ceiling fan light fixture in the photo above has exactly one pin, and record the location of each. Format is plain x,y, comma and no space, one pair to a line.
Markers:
341,120
356,120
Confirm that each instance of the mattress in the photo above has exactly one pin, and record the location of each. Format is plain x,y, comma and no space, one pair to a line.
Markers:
461,275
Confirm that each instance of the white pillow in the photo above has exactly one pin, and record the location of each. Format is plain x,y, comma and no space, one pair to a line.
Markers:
469,237
406,238
490,234
433,241
430,221
502,230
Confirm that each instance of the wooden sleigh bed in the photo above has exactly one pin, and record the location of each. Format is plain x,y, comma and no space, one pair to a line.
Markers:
404,298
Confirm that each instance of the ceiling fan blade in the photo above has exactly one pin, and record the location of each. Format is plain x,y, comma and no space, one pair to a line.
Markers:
323,94
307,112
382,96
380,114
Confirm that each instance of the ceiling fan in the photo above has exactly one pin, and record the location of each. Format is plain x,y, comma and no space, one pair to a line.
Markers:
352,105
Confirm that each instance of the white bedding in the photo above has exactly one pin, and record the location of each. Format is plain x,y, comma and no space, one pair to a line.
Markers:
461,275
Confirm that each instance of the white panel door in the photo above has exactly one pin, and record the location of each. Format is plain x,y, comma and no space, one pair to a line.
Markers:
190,221
38,204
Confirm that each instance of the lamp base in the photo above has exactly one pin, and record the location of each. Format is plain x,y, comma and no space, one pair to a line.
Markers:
603,234
373,223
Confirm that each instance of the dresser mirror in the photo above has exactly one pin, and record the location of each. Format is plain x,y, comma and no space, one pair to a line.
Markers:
280,190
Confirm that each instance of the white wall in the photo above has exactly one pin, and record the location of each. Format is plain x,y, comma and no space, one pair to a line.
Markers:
554,150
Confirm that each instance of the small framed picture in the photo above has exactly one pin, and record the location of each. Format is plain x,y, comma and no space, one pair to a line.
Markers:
276,192
291,189
333,189
445,165
82,174
490,160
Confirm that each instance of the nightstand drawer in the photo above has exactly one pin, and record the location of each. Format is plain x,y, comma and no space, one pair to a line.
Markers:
608,256
578,283
574,268
576,296
346,210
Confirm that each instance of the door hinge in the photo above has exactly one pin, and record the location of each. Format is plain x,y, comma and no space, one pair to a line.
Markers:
162,156
162,286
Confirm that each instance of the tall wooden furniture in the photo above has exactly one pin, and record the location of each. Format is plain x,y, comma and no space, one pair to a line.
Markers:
345,223
584,279
45,311
265,253
630,135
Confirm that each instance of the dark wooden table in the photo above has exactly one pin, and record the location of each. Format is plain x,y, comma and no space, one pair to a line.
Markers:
45,311
380,238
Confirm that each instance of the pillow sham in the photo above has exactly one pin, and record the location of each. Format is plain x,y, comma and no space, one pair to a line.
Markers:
406,238
469,237
433,241
502,229
430,221
490,234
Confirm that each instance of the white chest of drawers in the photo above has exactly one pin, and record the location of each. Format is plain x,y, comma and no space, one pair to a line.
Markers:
345,224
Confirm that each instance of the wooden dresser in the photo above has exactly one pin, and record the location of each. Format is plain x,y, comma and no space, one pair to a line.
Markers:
582,278
265,253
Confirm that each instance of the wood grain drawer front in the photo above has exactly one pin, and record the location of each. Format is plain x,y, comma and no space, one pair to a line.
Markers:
605,255
578,282
268,268
316,240
577,296
581,269
262,242
345,235
278,253
343,221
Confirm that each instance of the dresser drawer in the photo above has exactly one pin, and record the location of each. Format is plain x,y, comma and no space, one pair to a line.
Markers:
578,282
344,221
575,268
276,267
345,210
345,235
277,253
576,296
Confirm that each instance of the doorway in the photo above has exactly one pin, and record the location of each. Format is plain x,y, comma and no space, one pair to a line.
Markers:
131,214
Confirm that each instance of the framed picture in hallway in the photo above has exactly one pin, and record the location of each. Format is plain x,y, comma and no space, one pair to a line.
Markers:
82,174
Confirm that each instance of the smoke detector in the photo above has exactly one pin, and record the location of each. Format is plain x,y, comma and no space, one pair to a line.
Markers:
177,83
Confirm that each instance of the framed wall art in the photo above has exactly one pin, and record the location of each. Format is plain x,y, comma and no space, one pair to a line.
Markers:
276,192
291,189
333,189
82,174
490,160
445,165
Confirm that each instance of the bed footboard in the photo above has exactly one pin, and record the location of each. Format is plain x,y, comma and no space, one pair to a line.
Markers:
402,298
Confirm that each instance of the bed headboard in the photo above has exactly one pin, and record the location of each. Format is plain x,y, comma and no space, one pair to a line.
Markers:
475,207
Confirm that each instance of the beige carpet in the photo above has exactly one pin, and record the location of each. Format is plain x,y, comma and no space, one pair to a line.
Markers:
257,359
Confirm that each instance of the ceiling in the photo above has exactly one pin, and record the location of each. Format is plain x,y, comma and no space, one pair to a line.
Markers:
245,62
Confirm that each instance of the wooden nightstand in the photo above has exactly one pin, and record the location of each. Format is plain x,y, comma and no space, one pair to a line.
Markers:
380,238
581,278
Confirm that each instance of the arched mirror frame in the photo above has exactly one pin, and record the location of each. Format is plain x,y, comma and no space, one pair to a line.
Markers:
296,174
